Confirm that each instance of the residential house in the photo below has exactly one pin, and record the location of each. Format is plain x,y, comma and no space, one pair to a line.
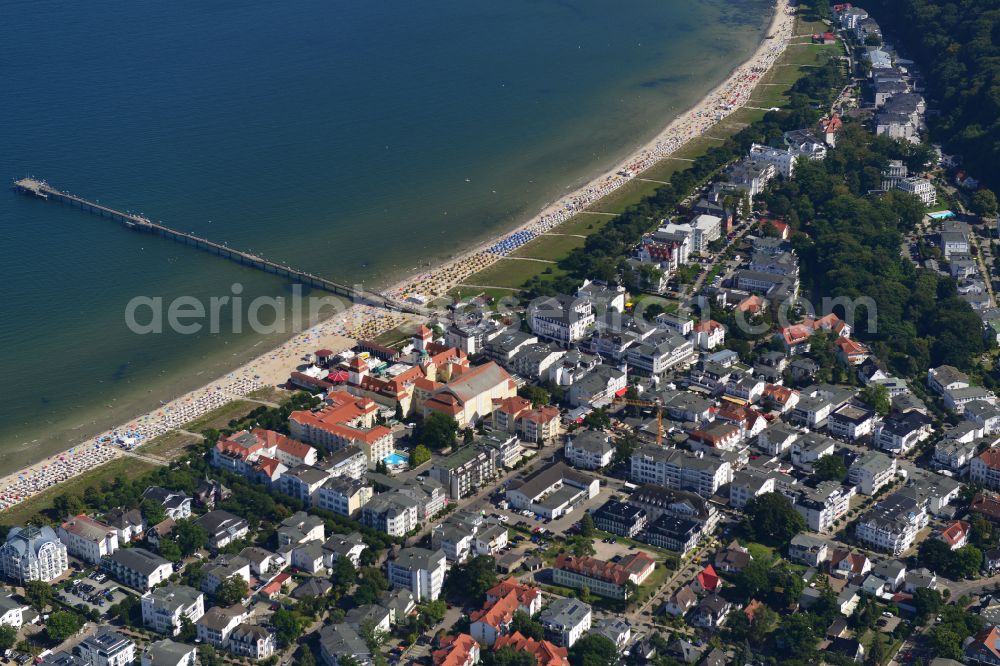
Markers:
465,470
88,539
566,621
711,612
137,567
808,550
589,449
106,648
344,496
252,641
164,608
619,518
419,570
892,524
223,528
217,625
337,641
871,472
608,579
175,504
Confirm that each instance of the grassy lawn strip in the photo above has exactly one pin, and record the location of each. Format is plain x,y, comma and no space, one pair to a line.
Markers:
125,466
583,224
509,273
549,247
220,417
169,445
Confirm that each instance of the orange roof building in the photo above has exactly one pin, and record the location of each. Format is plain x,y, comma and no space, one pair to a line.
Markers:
546,653
469,394
780,397
752,304
261,451
346,420
956,534
707,579
458,650
608,579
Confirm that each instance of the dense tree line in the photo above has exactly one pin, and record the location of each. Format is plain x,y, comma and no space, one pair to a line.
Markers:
603,254
956,45
851,248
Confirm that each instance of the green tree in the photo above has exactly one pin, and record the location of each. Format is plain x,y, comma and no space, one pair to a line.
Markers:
68,505
437,431
771,519
625,446
419,455
830,468
508,656
189,536
62,624
8,637
876,396
984,203
593,650
152,512
538,396
287,626
189,632
587,528
232,590
207,656
529,628
927,602
469,581
38,594
170,550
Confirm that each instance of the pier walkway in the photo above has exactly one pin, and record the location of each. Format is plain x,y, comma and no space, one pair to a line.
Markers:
42,190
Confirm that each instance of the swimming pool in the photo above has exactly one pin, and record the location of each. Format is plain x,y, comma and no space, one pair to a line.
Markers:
395,459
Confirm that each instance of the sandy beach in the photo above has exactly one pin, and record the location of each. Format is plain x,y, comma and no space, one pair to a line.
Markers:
360,321
726,98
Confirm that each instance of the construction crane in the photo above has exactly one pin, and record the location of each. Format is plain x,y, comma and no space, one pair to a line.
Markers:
655,404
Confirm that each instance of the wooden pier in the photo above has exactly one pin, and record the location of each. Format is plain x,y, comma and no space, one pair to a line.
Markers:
42,190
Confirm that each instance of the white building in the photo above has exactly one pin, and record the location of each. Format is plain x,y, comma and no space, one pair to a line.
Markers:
33,553
680,470
137,567
919,187
169,653
164,607
107,648
892,524
566,621
563,320
217,624
88,539
589,449
872,472
252,641
392,513
419,570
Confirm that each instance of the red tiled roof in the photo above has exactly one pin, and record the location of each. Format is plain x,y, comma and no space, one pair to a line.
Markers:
708,579
525,593
292,447
779,394
546,654
990,458
513,405
612,572
989,639
708,326
455,650
752,303
497,613
541,415
956,533
988,505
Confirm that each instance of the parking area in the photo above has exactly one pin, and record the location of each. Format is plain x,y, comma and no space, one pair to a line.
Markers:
93,590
